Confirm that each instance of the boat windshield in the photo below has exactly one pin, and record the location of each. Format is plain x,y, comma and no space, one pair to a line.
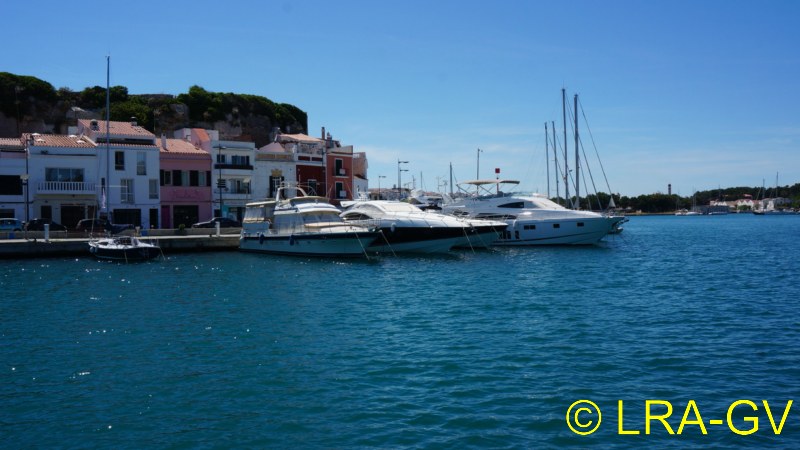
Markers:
258,212
318,217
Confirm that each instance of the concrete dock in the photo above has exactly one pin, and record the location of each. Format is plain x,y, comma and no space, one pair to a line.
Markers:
38,247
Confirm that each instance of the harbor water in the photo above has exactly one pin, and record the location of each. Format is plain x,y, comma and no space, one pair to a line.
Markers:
485,349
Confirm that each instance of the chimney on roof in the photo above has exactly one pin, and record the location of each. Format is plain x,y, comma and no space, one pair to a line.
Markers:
94,126
164,141
323,133
133,121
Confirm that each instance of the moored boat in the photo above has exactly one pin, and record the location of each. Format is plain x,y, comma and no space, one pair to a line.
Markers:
532,219
406,228
295,223
123,248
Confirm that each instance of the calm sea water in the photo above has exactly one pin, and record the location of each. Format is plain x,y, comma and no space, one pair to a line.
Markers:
473,350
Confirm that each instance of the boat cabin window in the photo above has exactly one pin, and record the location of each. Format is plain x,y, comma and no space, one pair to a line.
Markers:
258,213
356,216
321,217
512,205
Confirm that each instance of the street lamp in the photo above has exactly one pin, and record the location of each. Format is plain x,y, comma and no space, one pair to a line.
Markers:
379,185
399,170
24,178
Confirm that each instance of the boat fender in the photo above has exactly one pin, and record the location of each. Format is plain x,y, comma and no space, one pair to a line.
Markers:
261,238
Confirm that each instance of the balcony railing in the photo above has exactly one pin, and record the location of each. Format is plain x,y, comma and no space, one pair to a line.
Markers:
65,187
233,166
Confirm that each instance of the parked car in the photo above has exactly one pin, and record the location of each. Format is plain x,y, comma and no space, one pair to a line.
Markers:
98,225
224,222
38,225
10,225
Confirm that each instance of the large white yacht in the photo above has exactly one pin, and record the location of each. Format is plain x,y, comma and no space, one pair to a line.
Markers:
406,228
531,219
298,224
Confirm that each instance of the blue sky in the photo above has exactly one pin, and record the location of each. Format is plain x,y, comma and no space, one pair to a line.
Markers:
698,94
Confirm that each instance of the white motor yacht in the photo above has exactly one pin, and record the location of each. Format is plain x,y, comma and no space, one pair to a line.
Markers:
298,224
531,219
406,228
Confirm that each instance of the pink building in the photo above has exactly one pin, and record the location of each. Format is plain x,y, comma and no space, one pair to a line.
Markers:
185,183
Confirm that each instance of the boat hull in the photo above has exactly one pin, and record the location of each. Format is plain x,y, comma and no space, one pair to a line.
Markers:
124,253
345,244
572,231
417,239
480,236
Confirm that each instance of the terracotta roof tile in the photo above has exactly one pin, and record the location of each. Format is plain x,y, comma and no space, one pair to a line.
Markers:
11,142
181,146
298,138
115,128
60,140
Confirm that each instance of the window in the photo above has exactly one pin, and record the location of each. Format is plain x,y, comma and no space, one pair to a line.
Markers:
176,178
154,188
194,179
11,185
202,179
141,163
312,187
240,186
338,168
184,178
166,177
240,160
63,174
512,205
274,184
119,160
126,190
340,192
220,158
556,225
580,224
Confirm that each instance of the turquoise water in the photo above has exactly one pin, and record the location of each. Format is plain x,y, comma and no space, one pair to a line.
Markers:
473,350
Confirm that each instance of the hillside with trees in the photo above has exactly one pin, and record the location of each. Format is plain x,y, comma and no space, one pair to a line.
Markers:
28,104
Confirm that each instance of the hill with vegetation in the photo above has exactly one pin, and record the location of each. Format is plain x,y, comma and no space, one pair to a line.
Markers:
28,104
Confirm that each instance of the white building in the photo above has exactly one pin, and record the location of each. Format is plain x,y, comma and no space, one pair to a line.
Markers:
128,171
63,176
274,165
232,170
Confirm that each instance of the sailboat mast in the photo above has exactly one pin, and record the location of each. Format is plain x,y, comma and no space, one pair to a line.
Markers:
107,187
577,158
566,163
451,179
547,157
555,160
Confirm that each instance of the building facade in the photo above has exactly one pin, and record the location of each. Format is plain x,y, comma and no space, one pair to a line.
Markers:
128,188
186,183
